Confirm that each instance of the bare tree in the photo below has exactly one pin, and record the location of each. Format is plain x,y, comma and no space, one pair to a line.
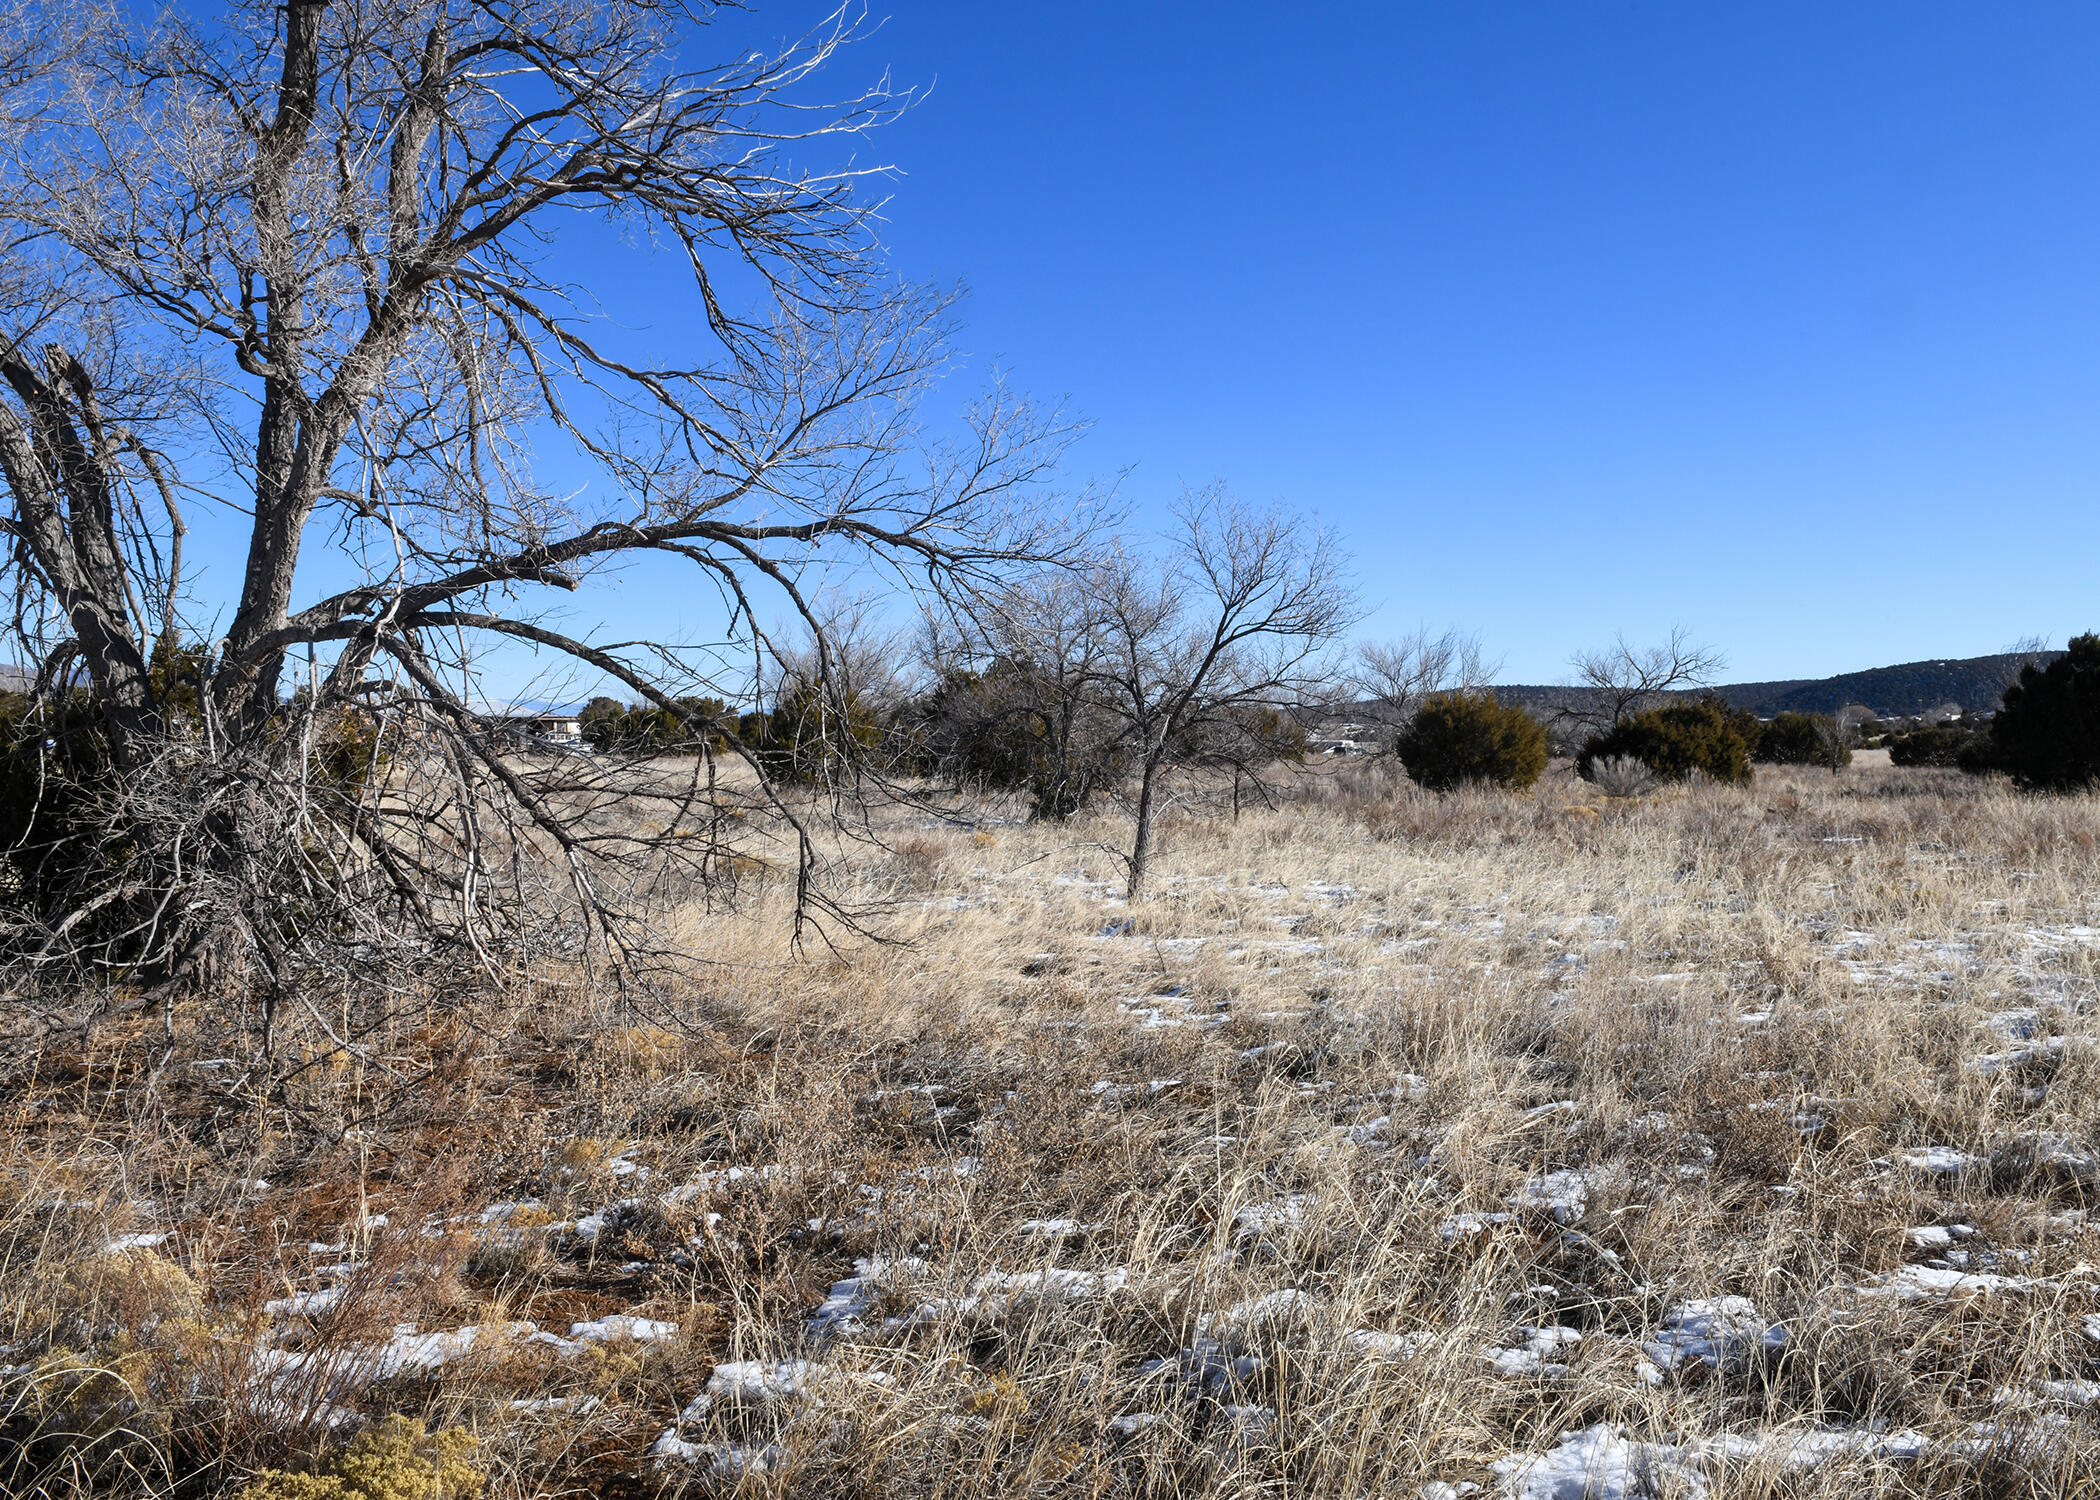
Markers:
1617,681
1392,678
1239,621
1838,733
2028,651
291,263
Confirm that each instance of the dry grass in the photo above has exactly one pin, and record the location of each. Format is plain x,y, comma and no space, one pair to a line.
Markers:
1301,1114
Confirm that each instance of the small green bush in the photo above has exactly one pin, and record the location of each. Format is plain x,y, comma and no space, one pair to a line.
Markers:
1706,736
1802,740
2047,734
1457,738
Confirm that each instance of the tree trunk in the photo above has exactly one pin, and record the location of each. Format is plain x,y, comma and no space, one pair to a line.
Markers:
1141,846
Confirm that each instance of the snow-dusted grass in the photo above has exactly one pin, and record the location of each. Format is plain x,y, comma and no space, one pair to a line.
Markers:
1725,1142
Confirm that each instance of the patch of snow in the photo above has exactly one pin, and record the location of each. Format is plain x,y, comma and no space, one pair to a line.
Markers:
723,1460
590,1226
1993,1063
1937,1161
1535,1358
1461,1226
124,1242
1600,1463
998,1294
850,1300
1259,1220
621,1326
1369,1133
1055,1229
1372,1343
1266,1311
547,1406
1925,1283
304,1304
1565,1193
1723,1332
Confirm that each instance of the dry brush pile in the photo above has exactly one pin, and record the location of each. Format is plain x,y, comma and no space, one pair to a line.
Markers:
1730,1141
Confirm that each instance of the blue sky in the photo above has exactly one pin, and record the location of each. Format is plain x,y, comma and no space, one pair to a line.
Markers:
1777,321
1781,321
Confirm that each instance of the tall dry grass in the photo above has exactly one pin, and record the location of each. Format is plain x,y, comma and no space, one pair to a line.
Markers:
1296,1179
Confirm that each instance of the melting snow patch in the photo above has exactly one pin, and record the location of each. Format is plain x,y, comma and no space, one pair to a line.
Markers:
1257,1221
1464,1226
1266,1311
621,1326
590,1226
1925,1283
124,1242
852,1299
1055,1229
1534,1358
1565,1194
1992,1063
304,1304
549,1406
1371,1132
751,1384
1936,1161
1724,1332
1374,1344
302,1387
724,1460
1598,1463
998,1294
1602,1463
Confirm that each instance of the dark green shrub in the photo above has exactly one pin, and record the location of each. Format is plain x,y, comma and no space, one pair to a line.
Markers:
1457,738
2047,734
55,769
984,729
1803,740
647,729
1019,726
1940,745
814,739
1706,736
71,859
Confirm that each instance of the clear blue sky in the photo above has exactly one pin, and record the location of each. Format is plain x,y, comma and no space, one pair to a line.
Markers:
1780,320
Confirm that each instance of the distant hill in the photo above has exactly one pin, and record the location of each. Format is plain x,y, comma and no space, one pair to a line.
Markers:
1914,687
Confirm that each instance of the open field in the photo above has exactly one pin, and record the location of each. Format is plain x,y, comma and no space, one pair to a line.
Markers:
1733,1141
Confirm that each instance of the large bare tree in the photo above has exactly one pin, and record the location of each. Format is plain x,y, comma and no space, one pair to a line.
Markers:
300,265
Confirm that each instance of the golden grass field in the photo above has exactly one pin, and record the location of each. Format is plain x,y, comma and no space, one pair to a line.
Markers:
1731,1141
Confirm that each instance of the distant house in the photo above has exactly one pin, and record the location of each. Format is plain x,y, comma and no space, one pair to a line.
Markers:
536,723
1340,739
